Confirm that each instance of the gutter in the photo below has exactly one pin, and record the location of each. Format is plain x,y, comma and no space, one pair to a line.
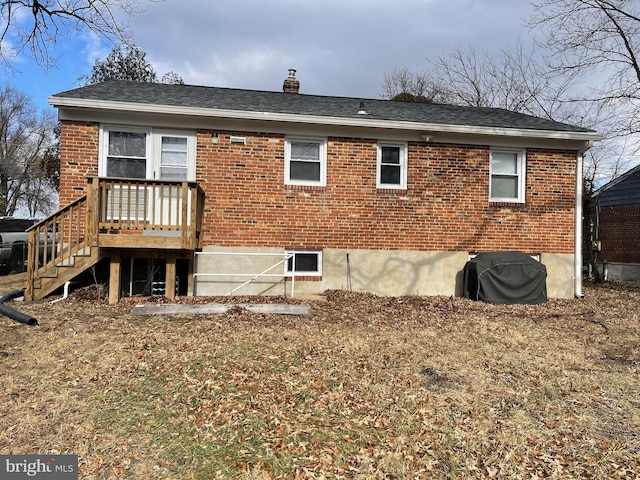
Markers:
577,260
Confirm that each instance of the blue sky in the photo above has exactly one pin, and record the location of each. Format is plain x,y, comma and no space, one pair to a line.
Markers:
338,47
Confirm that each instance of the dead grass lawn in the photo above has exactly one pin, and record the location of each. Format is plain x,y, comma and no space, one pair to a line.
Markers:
364,387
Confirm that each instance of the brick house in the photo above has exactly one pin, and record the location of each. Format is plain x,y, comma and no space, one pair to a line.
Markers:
218,185
616,222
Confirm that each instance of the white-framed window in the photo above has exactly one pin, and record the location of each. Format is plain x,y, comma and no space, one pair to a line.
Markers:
303,263
507,175
305,161
174,157
131,152
392,166
126,153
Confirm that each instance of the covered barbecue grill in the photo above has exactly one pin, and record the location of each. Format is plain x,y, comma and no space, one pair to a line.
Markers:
505,278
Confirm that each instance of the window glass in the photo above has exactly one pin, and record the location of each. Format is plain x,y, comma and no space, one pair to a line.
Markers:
126,157
127,167
391,155
504,187
505,162
392,166
304,171
173,158
305,162
304,262
127,144
507,176
309,151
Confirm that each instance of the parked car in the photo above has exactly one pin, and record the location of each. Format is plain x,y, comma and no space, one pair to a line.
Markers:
13,251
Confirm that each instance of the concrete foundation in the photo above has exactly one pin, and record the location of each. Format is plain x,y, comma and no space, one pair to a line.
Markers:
560,275
624,272
382,272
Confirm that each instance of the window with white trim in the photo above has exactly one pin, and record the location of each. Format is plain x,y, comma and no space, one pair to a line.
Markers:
507,176
173,158
129,152
392,166
304,263
305,161
126,153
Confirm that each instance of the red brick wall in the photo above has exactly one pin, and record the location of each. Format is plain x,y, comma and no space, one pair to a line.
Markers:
445,207
619,232
78,158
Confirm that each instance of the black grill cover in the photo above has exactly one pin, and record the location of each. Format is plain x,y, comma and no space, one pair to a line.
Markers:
505,278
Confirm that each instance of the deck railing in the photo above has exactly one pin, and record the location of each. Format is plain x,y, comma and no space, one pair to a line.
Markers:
117,213
56,239
119,205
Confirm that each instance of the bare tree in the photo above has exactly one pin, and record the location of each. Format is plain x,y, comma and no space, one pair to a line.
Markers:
25,135
403,82
515,80
34,25
598,42
518,80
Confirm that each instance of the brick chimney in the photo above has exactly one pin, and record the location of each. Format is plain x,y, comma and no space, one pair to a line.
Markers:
291,84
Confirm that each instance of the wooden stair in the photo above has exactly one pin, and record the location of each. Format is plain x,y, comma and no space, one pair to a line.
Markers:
57,275
58,250
161,218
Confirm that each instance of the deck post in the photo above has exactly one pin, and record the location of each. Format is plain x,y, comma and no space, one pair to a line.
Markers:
170,277
92,217
114,277
190,278
32,265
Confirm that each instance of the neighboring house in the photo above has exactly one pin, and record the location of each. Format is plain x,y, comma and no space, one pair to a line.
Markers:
616,223
216,185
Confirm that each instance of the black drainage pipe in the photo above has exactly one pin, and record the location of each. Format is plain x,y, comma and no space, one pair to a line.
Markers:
14,314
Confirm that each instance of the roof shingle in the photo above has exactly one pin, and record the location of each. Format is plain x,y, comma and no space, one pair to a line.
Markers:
216,98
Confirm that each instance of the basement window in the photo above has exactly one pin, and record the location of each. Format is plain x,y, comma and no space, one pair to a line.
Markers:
304,262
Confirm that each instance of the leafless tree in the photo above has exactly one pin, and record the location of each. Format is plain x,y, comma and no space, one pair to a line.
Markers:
515,80
25,135
598,42
518,80
34,25
402,81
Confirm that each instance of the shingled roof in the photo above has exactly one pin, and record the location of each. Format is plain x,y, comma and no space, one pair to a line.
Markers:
127,94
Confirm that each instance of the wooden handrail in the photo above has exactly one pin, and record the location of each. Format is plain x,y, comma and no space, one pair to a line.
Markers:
55,240
127,205
116,205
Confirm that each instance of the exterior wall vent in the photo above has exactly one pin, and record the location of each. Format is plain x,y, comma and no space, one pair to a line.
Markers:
238,140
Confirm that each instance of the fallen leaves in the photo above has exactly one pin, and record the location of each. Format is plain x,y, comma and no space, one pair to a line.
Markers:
364,387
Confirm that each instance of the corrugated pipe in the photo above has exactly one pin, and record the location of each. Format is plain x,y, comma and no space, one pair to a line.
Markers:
14,314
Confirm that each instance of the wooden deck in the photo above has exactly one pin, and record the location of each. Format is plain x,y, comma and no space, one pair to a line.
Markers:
115,217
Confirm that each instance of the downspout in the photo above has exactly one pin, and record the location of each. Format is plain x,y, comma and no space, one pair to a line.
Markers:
577,261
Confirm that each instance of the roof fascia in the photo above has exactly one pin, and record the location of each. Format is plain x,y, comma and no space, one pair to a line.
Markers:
425,128
616,181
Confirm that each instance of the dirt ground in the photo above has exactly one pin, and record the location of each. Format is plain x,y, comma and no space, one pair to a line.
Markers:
363,387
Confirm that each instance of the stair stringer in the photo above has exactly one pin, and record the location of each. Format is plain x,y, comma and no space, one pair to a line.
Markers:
61,274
